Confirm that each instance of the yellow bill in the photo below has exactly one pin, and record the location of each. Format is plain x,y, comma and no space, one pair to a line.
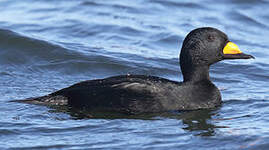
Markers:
231,48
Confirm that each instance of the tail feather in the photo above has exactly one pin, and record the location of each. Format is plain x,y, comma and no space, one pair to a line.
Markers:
58,100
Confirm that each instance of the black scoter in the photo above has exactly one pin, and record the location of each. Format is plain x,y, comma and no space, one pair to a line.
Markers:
135,94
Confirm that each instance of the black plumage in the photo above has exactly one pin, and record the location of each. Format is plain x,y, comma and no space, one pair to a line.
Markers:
145,94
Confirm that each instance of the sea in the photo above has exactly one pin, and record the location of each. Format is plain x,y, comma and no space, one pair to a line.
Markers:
47,45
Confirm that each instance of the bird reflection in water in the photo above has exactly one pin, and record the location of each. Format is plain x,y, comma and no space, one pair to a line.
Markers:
199,122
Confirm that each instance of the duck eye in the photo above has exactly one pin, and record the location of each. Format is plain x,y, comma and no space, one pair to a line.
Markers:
210,38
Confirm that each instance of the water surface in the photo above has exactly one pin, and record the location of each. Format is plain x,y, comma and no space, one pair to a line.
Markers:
49,45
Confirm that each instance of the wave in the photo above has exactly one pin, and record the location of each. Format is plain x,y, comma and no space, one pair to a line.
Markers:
29,54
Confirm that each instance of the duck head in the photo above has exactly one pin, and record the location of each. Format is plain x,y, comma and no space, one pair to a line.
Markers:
203,47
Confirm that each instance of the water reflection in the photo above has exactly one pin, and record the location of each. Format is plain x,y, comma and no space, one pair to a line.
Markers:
199,122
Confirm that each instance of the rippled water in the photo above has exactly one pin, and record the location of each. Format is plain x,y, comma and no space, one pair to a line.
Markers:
49,45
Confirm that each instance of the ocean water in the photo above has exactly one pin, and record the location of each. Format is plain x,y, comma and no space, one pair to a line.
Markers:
48,45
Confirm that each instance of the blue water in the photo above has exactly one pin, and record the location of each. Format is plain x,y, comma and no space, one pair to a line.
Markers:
48,45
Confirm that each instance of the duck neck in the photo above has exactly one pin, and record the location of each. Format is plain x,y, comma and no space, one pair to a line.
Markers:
195,73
